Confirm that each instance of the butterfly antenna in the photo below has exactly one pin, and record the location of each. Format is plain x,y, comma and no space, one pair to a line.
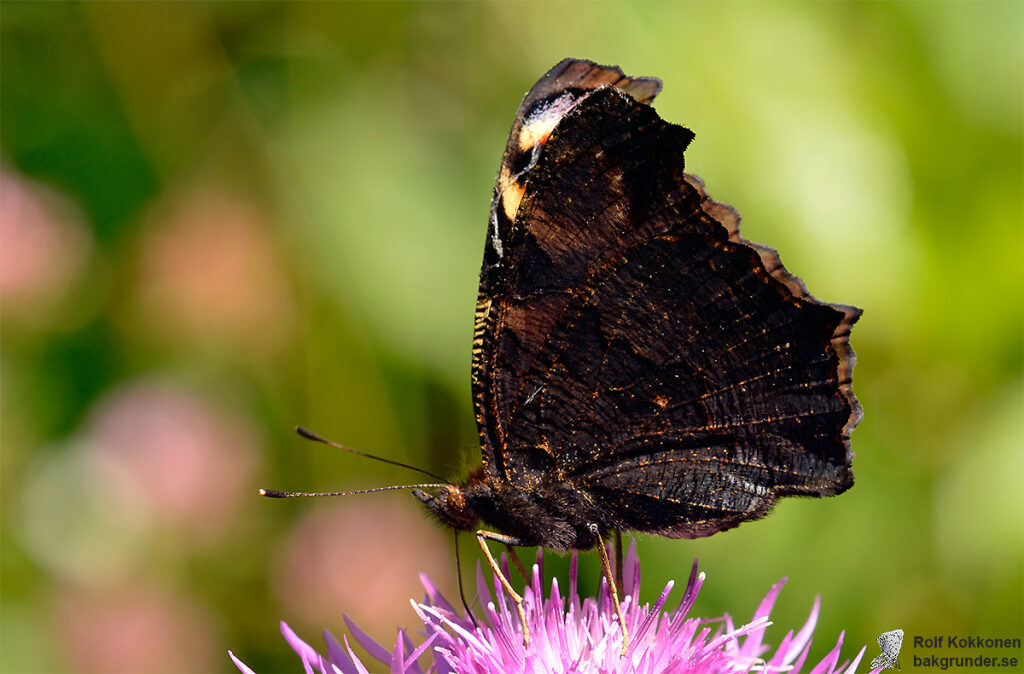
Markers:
310,435
274,493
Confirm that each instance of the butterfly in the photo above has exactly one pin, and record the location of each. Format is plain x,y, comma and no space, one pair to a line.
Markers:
890,643
637,365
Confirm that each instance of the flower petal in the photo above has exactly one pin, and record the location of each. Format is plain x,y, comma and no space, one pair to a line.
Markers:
242,667
337,655
305,651
570,634
375,650
415,655
360,669
631,571
856,661
826,666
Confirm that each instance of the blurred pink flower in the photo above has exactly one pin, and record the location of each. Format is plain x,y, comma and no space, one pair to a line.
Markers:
134,629
209,271
573,635
193,463
325,562
44,246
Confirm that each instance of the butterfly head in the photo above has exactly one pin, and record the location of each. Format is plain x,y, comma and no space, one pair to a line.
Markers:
450,505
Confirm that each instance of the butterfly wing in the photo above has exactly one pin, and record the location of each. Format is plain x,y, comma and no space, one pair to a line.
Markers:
631,344
891,642
554,95
550,99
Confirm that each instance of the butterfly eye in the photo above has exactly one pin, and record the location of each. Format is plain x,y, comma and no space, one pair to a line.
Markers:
456,499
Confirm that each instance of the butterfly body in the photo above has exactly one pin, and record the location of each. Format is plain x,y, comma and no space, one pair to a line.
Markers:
637,365
556,515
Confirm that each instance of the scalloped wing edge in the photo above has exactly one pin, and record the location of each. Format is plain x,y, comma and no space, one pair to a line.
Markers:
729,217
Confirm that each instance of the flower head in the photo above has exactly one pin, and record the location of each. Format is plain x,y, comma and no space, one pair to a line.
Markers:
573,635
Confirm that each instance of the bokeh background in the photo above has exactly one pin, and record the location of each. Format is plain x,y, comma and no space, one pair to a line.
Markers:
222,220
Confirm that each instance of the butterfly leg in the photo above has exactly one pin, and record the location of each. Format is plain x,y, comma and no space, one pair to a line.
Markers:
606,567
482,537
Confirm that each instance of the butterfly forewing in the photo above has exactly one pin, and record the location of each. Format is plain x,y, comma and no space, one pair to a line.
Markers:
554,95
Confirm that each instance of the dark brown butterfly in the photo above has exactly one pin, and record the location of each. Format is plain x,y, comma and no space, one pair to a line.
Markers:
637,365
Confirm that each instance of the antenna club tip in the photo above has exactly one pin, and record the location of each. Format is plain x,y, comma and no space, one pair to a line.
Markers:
309,435
270,493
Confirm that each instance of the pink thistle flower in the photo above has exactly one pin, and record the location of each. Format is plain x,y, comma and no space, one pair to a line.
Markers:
573,635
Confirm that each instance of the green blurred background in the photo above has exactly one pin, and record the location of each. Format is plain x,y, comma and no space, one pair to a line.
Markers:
222,220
